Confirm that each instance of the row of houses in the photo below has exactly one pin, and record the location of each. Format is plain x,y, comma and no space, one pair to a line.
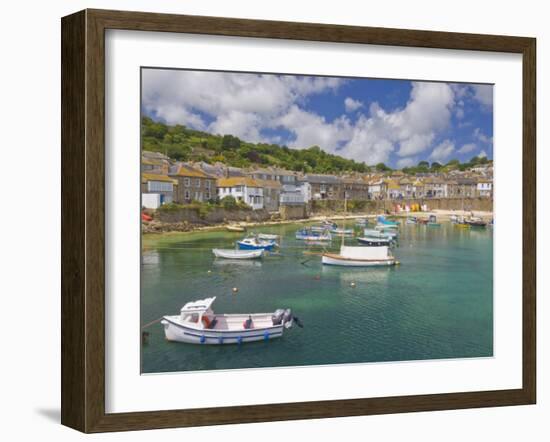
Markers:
164,182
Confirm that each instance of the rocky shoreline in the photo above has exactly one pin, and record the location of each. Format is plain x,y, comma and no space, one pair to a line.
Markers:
156,226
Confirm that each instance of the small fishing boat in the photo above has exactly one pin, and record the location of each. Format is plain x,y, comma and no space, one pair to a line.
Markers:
325,225
268,236
360,257
374,242
432,221
311,235
319,228
353,256
237,254
198,324
341,231
382,220
475,221
412,220
234,228
389,234
462,224
253,243
386,227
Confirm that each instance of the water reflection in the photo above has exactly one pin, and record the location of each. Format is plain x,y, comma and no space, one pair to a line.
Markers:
436,304
347,276
238,263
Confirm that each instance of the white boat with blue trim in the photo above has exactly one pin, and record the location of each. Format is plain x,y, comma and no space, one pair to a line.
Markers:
350,256
253,243
268,236
237,254
380,234
198,324
311,235
339,231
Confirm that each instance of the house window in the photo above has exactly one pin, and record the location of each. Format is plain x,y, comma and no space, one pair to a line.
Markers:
187,195
187,182
198,182
159,186
208,196
207,184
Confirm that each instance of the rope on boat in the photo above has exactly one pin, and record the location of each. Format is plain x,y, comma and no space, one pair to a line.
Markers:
151,323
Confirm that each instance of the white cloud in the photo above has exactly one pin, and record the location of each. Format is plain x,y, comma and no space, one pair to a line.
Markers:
352,105
482,154
442,151
245,104
239,104
460,90
469,147
416,143
480,136
484,94
405,162
311,129
427,113
245,125
410,130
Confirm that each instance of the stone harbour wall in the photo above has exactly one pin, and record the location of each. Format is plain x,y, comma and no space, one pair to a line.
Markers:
328,207
195,216
298,211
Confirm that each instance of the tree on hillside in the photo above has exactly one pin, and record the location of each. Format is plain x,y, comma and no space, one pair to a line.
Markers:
453,162
230,142
381,167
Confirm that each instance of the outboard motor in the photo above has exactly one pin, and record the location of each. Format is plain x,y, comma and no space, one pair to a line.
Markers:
277,316
287,318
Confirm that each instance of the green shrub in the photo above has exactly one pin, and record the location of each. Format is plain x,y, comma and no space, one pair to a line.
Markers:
170,207
229,202
242,205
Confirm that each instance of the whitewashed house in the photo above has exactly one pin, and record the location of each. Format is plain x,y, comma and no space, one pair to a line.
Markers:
305,190
377,189
244,189
484,188
156,190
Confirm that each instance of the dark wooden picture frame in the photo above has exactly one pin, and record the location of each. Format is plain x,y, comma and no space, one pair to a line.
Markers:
83,219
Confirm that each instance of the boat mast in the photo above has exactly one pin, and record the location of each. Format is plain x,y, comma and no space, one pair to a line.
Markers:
345,212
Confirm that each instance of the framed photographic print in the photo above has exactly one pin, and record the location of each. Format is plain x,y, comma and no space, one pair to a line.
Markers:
269,220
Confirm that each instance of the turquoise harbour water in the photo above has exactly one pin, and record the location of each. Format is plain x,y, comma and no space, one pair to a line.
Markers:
437,304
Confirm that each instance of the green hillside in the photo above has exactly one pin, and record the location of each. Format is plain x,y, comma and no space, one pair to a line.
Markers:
182,143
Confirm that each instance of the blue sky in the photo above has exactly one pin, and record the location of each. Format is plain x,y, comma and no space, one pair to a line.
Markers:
398,122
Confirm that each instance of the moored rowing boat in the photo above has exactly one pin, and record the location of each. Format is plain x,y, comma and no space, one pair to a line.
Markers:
360,257
237,254
234,228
